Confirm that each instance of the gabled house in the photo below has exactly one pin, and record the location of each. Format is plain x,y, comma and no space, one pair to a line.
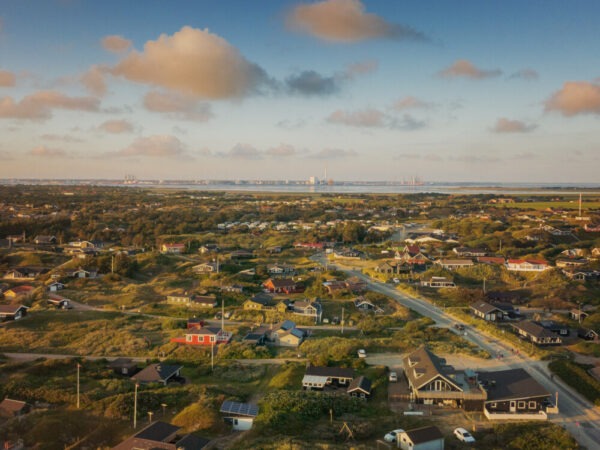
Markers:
58,301
55,286
12,312
469,251
360,387
26,273
23,291
454,264
429,382
173,249
527,265
204,336
363,304
555,327
282,285
317,378
535,333
123,366
412,255
487,311
308,308
83,273
158,373
438,282
587,334
287,335
513,394
240,415
44,240
13,408
425,438
260,302
162,436
206,268
281,270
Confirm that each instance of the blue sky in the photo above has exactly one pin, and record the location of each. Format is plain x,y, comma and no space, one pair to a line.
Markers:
372,90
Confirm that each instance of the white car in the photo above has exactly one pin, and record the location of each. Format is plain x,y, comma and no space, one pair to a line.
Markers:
463,435
393,435
393,377
362,353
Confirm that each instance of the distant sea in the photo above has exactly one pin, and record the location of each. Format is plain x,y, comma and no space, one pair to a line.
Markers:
348,187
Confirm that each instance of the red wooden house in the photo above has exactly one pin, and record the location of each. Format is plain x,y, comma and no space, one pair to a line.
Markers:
204,336
282,285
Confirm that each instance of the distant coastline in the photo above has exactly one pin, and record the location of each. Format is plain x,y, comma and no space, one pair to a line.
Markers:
338,187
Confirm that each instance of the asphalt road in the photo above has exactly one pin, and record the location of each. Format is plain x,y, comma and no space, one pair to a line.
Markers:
576,414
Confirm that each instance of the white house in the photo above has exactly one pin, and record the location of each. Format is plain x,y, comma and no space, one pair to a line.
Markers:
425,438
240,415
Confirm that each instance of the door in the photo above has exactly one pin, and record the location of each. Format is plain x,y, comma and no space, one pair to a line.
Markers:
513,407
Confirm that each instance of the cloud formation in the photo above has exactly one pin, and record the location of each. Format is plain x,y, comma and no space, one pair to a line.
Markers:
410,102
334,153
194,62
7,79
282,151
311,83
576,97
526,74
177,106
94,80
117,126
116,44
504,125
47,152
242,151
157,146
370,118
374,118
346,21
39,105
60,138
462,68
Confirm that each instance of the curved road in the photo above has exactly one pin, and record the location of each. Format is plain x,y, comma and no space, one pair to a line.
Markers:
577,415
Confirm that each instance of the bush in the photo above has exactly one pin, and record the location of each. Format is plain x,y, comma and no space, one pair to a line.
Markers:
577,377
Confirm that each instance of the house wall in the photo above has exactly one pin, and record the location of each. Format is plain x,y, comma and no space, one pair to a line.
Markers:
528,405
242,423
406,444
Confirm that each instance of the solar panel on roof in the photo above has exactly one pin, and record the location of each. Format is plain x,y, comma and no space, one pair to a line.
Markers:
240,409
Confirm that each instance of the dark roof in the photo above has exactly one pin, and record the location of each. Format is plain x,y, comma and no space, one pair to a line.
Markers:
424,434
361,383
287,325
511,384
484,307
239,409
533,329
422,366
192,442
157,431
162,436
334,372
12,407
156,373
122,362
11,309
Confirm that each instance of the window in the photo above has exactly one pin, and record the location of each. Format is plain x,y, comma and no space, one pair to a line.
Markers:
212,339
532,405
493,405
188,338
521,405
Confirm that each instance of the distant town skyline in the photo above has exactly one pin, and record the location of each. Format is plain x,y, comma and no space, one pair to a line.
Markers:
367,90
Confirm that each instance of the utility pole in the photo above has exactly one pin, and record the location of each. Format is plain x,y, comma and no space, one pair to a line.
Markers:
78,366
342,320
135,406
212,356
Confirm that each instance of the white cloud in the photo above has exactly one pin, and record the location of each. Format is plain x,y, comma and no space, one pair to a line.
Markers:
463,68
194,62
178,106
39,105
346,21
158,146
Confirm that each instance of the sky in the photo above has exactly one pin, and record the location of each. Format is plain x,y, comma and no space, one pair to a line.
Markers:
469,90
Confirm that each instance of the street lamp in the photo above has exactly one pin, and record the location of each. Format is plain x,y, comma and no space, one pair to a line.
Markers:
135,406
164,405
150,414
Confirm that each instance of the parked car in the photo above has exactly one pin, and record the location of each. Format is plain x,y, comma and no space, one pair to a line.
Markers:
362,353
463,435
393,377
459,326
393,435
396,280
